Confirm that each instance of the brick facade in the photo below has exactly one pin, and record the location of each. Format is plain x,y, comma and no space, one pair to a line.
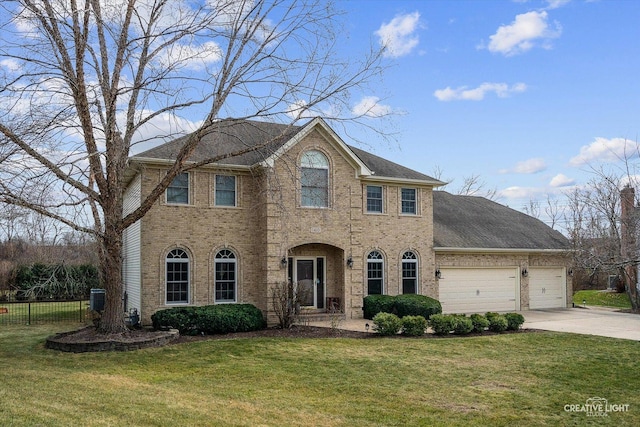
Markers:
271,234
268,224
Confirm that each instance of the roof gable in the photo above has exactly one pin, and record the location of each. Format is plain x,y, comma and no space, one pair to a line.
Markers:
272,140
468,222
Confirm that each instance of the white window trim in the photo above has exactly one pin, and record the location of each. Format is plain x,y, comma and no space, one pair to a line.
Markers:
329,180
235,201
186,261
377,261
189,187
383,201
410,261
216,261
417,201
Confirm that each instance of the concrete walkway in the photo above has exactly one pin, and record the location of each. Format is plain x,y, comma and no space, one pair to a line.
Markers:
589,321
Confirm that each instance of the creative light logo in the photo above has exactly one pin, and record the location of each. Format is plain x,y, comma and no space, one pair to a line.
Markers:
596,407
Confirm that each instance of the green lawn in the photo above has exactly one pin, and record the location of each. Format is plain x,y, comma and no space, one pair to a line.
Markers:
602,298
42,312
501,380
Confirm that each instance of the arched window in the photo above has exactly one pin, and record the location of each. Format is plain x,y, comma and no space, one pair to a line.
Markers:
375,273
177,279
225,276
409,273
314,179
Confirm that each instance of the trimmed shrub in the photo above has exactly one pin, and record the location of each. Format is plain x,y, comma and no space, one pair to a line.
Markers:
462,325
374,304
480,323
180,318
401,305
387,323
497,323
514,321
442,324
414,326
210,319
416,305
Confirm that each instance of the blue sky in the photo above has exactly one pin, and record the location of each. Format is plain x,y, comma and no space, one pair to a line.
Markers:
524,94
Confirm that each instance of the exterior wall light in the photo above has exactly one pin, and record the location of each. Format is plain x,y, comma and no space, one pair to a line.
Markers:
525,273
283,262
350,262
438,273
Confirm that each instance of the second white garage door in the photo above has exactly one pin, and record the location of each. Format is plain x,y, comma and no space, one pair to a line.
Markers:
547,288
478,290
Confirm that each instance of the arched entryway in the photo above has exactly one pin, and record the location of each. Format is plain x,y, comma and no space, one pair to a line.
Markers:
317,272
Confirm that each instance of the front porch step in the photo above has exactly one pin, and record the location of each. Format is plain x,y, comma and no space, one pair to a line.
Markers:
307,316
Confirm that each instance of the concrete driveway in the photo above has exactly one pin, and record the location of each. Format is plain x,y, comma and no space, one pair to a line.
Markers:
589,321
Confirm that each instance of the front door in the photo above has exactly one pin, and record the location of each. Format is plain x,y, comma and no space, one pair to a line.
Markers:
308,275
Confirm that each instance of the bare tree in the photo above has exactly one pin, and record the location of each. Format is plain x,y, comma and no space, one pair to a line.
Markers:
472,185
84,81
604,240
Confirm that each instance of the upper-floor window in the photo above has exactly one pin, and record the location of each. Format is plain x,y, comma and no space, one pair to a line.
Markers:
374,198
409,273
314,179
375,273
409,201
177,277
225,190
178,190
225,276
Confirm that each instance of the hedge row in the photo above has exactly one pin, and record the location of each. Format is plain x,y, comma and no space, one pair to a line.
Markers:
401,305
460,324
390,324
210,319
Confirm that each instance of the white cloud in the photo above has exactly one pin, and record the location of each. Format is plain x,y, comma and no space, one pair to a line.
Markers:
398,36
554,4
192,57
518,193
606,150
10,64
561,180
370,106
502,90
521,35
530,166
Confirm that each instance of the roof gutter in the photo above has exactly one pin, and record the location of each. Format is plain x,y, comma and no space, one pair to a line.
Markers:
169,162
500,250
374,178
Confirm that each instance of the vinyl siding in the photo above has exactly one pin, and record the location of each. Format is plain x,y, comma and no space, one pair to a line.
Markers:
131,248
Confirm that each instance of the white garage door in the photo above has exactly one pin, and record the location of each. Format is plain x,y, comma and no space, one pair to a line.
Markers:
478,290
547,288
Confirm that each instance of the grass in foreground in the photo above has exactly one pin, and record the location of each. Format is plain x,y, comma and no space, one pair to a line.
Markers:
502,380
602,298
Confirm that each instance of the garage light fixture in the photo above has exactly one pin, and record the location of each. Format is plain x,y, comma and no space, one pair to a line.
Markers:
438,273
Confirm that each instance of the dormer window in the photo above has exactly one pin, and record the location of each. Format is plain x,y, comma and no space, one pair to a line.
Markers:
314,180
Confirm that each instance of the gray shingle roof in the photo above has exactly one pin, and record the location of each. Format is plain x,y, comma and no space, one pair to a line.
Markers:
385,168
229,136
234,135
476,222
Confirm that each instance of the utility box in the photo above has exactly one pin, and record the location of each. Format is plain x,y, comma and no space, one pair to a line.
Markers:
96,300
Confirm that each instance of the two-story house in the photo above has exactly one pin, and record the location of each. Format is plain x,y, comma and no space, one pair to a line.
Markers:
338,222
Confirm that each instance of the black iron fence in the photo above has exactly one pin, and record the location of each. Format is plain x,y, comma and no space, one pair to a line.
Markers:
19,311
